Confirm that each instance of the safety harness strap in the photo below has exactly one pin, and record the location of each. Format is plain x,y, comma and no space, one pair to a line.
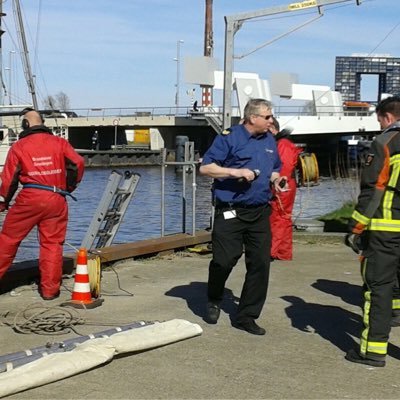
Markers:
54,189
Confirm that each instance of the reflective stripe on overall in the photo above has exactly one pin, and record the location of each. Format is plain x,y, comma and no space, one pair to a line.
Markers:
367,346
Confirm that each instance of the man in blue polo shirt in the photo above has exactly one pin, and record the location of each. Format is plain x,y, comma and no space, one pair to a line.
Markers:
244,163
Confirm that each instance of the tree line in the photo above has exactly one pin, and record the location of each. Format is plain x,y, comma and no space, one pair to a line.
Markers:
60,102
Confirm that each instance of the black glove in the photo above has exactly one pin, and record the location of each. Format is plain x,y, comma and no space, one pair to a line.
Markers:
353,241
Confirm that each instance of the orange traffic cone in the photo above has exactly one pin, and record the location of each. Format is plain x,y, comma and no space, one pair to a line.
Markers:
81,295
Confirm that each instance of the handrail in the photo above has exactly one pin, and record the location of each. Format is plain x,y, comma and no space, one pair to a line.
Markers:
188,165
134,112
137,112
126,112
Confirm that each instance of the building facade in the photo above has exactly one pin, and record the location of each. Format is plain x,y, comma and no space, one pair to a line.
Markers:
349,71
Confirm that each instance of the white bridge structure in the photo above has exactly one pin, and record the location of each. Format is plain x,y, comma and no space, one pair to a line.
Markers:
317,110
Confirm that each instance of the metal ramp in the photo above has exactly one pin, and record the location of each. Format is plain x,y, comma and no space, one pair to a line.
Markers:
111,210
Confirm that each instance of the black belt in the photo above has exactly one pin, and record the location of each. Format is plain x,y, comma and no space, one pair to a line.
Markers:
54,189
233,206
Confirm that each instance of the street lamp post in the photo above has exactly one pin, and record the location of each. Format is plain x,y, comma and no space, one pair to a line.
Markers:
178,70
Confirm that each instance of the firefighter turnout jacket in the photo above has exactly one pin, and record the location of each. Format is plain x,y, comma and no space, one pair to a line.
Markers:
378,207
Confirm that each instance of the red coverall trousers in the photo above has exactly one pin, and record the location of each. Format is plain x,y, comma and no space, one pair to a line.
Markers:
49,212
282,204
281,223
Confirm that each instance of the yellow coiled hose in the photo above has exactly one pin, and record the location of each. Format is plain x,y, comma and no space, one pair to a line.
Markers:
308,166
94,272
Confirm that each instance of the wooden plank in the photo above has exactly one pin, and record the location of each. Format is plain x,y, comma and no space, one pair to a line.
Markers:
152,246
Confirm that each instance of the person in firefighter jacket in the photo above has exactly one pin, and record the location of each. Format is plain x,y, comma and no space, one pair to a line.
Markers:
49,169
282,202
375,234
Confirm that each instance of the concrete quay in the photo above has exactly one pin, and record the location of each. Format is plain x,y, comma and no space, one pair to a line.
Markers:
312,317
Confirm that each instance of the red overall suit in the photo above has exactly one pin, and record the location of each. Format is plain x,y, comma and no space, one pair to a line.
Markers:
40,158
282,203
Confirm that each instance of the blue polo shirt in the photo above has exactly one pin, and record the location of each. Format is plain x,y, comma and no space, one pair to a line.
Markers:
239,149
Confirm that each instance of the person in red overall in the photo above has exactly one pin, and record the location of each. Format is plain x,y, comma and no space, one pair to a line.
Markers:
49,169
282,203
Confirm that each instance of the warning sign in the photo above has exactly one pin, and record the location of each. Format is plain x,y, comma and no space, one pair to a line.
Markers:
303,4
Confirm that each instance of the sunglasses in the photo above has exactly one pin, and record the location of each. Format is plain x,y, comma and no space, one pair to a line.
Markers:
266,117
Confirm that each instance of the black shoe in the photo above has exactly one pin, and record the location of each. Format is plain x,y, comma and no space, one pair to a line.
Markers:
213,311
249,326
353,356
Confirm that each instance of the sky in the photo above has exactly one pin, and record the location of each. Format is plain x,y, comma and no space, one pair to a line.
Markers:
120,54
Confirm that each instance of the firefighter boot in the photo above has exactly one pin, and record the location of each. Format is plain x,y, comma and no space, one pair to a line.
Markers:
354,356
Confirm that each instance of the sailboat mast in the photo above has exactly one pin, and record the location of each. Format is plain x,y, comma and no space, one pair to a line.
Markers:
25,55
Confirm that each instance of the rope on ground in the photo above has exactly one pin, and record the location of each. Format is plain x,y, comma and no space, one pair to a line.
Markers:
41,320
46,320
119,286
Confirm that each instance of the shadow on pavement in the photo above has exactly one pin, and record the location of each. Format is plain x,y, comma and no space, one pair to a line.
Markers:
195,294
332,323
393,351
349,293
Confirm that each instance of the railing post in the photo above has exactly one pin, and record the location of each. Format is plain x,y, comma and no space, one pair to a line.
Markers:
186,164
163,166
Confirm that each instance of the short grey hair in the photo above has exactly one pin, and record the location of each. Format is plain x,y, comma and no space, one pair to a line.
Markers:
253,107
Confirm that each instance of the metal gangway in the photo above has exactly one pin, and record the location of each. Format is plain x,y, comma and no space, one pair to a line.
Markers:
111,209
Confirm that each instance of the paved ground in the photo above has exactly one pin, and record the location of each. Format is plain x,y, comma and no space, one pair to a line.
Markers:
311,317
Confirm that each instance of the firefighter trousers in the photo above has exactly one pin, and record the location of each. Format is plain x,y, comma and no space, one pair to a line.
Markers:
379,264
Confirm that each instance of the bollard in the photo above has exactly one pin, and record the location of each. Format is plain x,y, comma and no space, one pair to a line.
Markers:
180,151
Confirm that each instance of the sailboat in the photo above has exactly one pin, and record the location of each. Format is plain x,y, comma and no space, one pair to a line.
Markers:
8,134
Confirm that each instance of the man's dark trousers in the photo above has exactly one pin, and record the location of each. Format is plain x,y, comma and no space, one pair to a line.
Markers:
251,230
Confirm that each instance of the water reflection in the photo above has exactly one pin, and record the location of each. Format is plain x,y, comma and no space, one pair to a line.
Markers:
143,216
328,196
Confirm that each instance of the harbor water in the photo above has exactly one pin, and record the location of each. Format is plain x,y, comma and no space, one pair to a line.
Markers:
142,219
